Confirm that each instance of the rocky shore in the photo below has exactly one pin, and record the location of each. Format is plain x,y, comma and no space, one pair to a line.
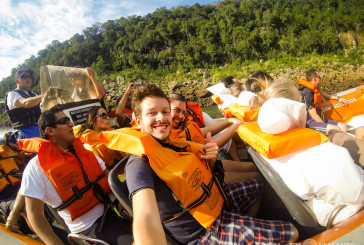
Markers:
334,81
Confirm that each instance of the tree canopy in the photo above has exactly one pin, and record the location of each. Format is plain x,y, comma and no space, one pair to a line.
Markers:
204,36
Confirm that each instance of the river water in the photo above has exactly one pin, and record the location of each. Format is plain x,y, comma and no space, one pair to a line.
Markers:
4,130
213,111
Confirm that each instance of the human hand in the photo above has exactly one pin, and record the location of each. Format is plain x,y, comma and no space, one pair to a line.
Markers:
210,149
130,86
343,101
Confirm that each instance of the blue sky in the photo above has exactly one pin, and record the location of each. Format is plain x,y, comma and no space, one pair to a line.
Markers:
27,26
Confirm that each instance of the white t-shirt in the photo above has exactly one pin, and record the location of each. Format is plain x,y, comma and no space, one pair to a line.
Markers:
325,176
37,185
12,98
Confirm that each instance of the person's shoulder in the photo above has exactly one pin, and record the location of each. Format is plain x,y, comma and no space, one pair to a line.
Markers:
32,166
133,160
34,162
307,91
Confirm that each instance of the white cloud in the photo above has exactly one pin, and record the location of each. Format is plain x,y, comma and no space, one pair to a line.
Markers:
28,26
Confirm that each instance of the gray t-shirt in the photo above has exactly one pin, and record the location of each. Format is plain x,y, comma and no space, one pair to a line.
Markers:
139,175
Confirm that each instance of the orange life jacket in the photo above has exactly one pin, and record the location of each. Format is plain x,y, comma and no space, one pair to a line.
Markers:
225,111
243,113
195,113
9,170
189,131
64,171
277,145
92,142
317,94
334,110
126,112
189,178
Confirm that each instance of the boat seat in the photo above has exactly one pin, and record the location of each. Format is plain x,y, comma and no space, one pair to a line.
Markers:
122,194
294,204
77,239
3,216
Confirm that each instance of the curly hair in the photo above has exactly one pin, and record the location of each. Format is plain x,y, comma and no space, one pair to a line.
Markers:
144,91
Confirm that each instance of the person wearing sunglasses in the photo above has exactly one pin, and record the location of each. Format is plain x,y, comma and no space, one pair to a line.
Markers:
22,105
63,173
97,121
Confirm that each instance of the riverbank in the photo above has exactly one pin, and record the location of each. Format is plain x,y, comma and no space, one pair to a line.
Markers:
339,73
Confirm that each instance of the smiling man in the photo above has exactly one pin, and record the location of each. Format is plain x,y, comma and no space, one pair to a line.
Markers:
22,105
65,175
154,195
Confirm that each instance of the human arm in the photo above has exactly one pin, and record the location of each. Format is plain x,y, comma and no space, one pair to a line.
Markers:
35,213
335,97
147,225
215,128
100,90
29,102
225,136
314,115
119,112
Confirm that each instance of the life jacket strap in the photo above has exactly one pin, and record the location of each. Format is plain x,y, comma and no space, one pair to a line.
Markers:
206,193
100,194
13,173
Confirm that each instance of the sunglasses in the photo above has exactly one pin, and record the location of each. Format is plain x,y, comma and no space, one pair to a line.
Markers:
103,115
63,121
25,76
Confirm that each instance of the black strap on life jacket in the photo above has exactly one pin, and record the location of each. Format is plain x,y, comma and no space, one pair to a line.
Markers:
100,194
206,190
14,172
182,125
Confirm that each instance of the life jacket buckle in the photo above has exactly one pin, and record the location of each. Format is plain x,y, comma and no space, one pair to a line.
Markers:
77,192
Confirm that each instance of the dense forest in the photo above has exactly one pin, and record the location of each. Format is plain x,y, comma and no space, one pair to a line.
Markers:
206,36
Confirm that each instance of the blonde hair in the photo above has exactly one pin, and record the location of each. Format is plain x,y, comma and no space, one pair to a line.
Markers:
264,79
276,90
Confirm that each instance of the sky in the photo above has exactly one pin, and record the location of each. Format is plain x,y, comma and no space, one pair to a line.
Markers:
28,26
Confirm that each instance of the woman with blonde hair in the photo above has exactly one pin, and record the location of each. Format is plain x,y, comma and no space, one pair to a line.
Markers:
276,90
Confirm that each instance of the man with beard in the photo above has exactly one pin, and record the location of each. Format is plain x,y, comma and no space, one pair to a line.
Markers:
153,201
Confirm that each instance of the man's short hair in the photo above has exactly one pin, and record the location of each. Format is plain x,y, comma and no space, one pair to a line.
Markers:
311,74
228,81
144,91
48,119
20,72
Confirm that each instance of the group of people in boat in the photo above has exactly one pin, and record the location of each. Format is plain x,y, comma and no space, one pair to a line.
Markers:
178,182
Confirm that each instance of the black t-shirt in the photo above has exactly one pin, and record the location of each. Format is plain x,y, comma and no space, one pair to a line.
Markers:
308,96
139,175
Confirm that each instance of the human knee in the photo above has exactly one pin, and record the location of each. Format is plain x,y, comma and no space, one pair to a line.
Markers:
359,133
295,235
332,127
343,127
